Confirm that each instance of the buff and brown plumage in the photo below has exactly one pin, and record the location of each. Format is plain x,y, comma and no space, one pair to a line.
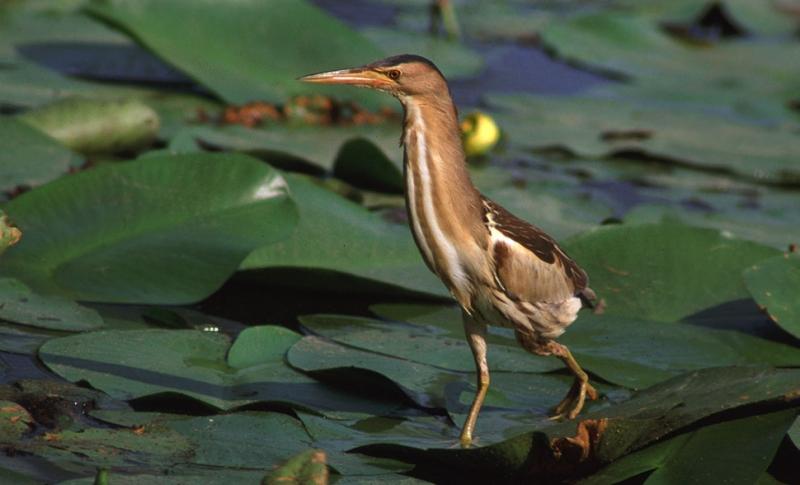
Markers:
500,269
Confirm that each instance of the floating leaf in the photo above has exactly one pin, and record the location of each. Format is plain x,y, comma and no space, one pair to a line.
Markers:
775,284
33,159
773,226
607,434
25,84
513,399
594,126
618,349
704,454
166,229
422,344
335,234
794,433
327,148
763,18
362,163
19,304
194,364
667,271
255,64
638,46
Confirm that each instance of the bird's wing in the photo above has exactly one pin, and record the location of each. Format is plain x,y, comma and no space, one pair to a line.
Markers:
529,265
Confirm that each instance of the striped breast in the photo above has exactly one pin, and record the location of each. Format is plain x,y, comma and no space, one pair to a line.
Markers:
439,245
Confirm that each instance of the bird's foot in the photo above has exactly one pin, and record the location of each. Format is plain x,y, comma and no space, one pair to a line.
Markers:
466,441
572,404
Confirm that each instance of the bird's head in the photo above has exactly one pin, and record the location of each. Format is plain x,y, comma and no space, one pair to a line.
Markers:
402,76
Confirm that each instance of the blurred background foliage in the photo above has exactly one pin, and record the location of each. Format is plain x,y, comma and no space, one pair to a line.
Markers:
214,276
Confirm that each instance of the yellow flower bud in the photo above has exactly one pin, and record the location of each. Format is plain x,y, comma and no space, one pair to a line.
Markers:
479,133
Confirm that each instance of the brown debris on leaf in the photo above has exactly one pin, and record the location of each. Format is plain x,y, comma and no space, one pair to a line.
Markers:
9,234
582,446
250,114
311,110
308,467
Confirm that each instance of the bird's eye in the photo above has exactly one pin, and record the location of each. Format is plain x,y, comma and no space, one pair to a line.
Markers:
394,74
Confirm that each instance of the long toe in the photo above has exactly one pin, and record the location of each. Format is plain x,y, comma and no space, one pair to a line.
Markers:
591,392
567,403
581,399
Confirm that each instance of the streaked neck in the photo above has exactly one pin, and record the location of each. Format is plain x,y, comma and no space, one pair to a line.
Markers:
443,205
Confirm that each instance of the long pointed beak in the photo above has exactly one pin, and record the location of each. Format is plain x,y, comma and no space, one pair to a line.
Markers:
359,76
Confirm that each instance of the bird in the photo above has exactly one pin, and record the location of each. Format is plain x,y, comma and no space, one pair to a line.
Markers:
500,269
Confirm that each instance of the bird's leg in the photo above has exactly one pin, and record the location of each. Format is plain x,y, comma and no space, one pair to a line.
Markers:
476,337
573,402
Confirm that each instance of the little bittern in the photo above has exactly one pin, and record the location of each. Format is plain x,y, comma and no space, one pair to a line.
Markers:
500,269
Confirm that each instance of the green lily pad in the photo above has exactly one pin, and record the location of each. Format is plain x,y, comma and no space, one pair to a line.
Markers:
775,284
256,63
166,229
794,433
422,344
594,126
362,163
513,399
738,74
25,85
84,450
612,432
194,364
421,383
26,25
638,353
773,227
763,18
423,431
335,234
20,339
180,475
618,349
507,21
33,159
19,304
237,441
664,272
705,454
326,148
